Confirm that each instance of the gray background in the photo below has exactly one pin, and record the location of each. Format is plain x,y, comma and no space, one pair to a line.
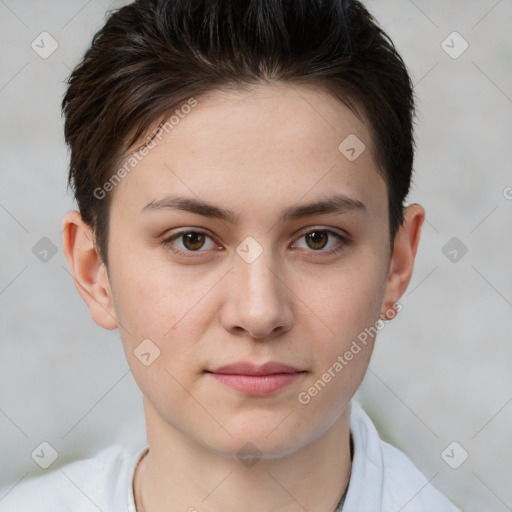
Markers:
441,370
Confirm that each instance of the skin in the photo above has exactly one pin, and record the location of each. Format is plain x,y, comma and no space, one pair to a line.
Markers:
255,152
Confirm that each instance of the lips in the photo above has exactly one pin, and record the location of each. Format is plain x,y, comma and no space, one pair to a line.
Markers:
246,368
257,380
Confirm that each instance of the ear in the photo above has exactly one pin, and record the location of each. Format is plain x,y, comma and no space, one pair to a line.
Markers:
89,272
402,259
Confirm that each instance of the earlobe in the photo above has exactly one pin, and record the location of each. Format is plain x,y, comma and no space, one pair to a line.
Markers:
89,272
402,259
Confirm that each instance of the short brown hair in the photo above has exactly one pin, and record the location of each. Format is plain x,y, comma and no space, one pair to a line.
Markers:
153,55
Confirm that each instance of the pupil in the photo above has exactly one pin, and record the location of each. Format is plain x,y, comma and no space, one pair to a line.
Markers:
194,239
316,237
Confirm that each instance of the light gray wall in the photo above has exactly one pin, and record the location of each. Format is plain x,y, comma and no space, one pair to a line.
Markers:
441,370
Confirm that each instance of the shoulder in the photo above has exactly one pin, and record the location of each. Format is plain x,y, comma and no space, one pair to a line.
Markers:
406,487
96,483
385,476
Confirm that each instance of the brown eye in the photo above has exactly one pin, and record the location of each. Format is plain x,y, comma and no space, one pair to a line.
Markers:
325,242
189,243
318,239
193,240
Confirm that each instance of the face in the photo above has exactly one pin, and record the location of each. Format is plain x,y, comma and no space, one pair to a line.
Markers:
259,277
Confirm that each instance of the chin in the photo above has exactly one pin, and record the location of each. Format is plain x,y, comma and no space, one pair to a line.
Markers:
262,439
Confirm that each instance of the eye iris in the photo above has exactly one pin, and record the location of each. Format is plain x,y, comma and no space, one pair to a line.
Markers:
191,240
194,240
317,237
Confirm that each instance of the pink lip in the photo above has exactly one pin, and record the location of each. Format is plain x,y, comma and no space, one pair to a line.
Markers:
257,380
246,368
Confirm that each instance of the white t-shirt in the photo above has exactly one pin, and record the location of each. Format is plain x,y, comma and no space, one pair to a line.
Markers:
383,479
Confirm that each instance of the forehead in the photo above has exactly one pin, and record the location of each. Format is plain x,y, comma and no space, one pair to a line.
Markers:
249,147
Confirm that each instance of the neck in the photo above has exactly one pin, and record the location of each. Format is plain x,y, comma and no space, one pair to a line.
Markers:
178,474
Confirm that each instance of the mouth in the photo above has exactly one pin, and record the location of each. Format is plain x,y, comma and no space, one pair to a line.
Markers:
257,380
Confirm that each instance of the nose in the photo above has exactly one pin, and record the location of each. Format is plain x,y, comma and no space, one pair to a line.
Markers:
259,302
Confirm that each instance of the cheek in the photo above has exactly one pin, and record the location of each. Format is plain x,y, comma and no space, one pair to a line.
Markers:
151,296
349,310
345,300
168,306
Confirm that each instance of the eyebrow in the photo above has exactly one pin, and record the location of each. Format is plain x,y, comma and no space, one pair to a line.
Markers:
337,204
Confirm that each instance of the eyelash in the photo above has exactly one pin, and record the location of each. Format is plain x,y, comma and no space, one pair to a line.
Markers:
343,242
